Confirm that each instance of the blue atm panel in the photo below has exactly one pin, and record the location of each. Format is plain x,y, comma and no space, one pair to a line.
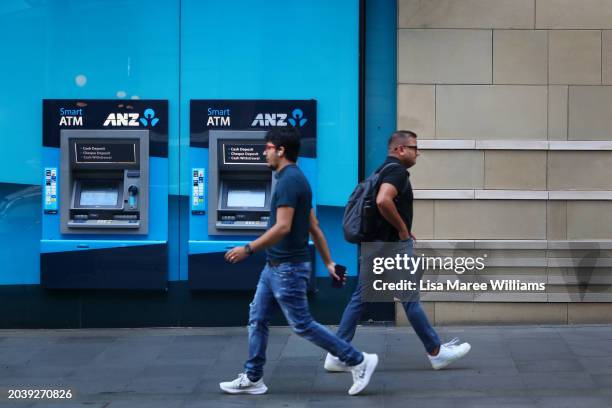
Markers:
232,186
108,166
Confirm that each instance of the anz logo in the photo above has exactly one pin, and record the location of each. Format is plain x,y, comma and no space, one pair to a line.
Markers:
122,119
270,119
149,118
132,119
297,119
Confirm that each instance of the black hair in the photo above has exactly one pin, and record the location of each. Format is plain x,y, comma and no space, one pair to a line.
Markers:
399,136
287,137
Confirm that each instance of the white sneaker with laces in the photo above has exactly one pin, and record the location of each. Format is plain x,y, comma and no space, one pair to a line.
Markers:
334,365
449,352
362,373
242,385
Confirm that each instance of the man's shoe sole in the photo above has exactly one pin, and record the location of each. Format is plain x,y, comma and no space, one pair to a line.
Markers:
449,362
368,378
255,391
335,369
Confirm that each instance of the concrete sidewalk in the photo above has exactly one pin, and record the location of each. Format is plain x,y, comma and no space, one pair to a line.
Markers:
552,366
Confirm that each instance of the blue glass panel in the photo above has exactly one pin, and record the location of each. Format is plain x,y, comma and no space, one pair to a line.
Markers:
279,50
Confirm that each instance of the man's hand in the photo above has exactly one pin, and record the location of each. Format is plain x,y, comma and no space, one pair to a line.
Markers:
404,235
321,244
236,254
331,268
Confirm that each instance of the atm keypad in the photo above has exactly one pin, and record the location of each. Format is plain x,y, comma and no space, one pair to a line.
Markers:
50,194
197,191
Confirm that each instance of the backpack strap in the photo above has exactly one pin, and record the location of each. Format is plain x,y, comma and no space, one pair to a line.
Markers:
389,165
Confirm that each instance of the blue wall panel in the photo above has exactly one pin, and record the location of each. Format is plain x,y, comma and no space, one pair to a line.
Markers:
342,252
76,49
22,84
20,210
175,50
279,49
81,49
381,79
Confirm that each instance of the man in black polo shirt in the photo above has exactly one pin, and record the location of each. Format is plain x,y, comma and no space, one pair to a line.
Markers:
394,202
284,279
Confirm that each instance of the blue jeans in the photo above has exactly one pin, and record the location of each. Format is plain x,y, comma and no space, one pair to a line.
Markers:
285,285
414,312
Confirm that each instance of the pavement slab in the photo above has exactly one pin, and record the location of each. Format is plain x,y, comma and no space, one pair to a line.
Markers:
509,366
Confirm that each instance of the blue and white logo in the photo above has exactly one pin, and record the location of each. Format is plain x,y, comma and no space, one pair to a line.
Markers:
297,119
149,117
71,117
219,117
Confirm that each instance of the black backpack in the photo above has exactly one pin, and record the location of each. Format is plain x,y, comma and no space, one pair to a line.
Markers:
361,217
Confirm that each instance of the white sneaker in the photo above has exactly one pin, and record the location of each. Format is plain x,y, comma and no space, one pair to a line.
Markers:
242,385
334,364
449,352
362,373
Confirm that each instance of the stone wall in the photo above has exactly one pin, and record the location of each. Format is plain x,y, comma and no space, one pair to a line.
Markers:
512,102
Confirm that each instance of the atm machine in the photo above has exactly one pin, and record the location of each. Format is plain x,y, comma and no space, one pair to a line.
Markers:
105,197
230,205
231,190
105,177
240,183
231,185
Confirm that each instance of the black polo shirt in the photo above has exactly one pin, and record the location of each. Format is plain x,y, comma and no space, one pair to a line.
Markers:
399,177
291,190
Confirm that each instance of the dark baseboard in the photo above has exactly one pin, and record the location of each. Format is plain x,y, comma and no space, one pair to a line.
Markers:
34,307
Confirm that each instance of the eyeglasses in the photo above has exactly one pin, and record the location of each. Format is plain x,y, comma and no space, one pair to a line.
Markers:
415,148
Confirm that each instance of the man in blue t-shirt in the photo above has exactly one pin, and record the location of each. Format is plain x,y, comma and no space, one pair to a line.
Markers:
284,279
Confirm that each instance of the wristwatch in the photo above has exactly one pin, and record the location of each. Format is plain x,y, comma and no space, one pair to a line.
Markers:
248,249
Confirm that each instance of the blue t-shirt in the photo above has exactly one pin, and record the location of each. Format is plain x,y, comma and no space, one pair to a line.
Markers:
291,190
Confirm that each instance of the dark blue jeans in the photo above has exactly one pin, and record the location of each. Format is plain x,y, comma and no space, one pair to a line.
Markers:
285,285
414,312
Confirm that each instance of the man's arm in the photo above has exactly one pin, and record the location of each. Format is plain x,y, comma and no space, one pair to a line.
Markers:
321,244
284,217
384,201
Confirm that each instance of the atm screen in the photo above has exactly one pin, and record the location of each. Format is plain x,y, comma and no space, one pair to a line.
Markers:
98,196
246,196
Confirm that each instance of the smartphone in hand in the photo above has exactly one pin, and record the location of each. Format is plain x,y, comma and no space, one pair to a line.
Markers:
340,271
